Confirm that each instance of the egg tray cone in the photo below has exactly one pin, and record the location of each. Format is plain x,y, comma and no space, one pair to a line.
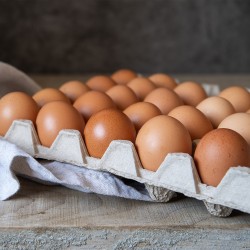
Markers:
177,173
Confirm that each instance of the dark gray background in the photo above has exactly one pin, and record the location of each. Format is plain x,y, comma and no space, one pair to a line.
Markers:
173,36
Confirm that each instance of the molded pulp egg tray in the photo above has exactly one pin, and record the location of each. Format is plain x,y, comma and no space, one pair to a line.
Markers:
177,172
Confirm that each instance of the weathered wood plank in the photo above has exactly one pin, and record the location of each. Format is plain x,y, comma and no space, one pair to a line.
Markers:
37,205
222,79
54,217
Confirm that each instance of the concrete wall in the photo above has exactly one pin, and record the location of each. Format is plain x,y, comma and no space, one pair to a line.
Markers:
78,36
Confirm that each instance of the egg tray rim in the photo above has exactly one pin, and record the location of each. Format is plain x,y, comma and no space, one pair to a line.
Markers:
36,146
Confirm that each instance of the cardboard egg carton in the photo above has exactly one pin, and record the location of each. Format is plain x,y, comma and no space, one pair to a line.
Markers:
177,172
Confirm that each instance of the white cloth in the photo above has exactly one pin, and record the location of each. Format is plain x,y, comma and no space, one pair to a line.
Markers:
14,161
12,79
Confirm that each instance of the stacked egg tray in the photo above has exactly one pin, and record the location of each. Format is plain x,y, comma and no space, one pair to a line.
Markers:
177,172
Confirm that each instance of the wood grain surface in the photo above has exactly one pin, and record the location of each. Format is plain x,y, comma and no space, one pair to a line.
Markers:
38,205
222,80
54,217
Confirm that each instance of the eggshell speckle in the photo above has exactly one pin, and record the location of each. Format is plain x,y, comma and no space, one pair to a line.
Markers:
163,80
104,127
158,137
193,119
16,105
140,112
217,151
165,99
191,93
55,116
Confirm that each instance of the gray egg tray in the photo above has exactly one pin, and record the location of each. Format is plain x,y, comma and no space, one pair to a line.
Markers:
177,172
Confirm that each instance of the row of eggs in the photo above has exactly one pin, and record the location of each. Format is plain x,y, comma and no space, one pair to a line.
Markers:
157,114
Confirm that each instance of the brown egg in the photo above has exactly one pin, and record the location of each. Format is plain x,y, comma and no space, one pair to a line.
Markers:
191,93
238,96
165,99
104,127
141,86
163,80
239,122
140,112
47,95
193,119
100,83
14,106
74,89
217,151
55,116
158,137
216,109
92,102
122,96
123,76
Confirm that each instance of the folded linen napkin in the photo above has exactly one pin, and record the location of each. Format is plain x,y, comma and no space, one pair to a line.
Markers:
14,161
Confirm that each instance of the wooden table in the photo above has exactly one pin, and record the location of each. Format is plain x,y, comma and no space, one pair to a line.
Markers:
221,79
54,217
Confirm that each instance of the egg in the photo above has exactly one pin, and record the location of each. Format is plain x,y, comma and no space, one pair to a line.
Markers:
123,76
122,96
192,93
100,83
193,119
165,99
239,122
14,106
74,89
217,151
160,136
47,95
55,116
238,96
92,102
104,127
216,109
140,112
163,80
141,87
